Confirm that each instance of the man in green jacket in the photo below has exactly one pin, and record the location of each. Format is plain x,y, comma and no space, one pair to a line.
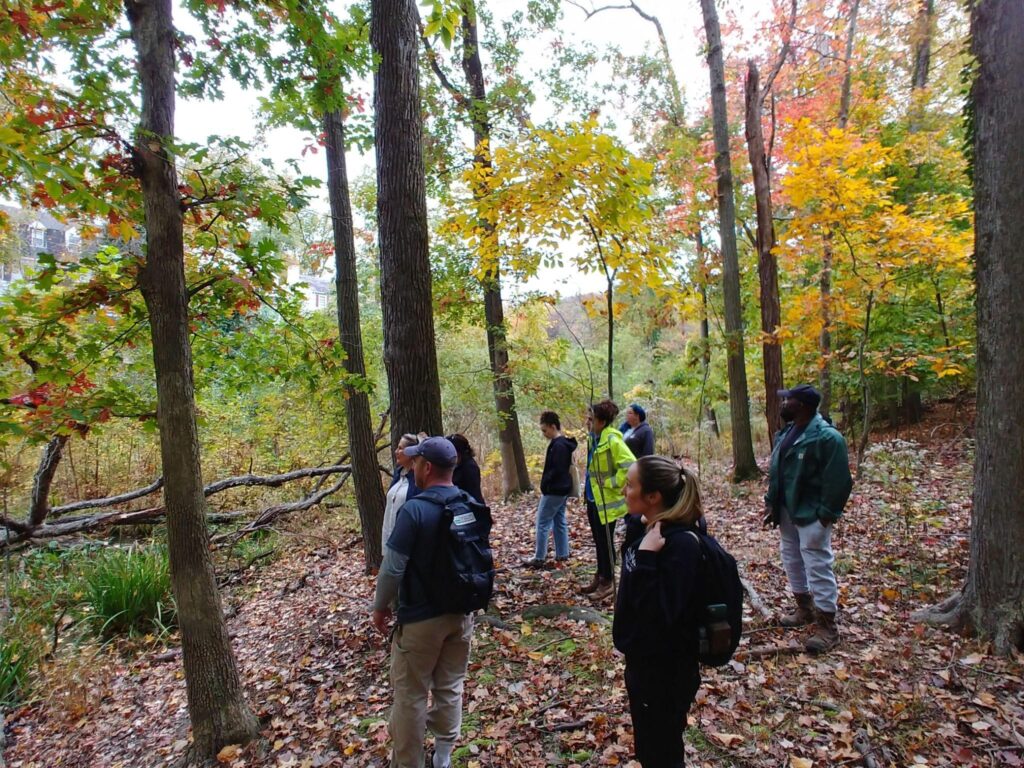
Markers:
809,484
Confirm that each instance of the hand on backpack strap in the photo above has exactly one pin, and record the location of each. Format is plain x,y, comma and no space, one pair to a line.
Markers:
653,541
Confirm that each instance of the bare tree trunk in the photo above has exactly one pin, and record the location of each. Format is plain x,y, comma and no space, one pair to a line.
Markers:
767,267
515,474
410,351
609,297
40,504
744,463
216,706
992,601
993,598
825,377
923,44
365,470
705,338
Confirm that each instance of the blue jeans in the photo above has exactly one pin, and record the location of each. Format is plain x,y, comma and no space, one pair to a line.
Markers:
551,514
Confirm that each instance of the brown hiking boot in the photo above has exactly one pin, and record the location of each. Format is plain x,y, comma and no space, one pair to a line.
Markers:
826,634
594,584
604,589
804,613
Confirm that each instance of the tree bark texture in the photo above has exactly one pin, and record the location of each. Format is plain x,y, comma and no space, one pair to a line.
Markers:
43,479
365,470
825,281
216,706
767,267
410,353
515,475
744,464
705,337
993,600
923,44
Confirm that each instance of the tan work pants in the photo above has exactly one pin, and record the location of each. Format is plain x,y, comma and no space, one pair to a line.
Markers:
427,657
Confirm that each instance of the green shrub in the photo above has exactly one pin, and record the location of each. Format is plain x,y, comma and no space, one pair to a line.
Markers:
129,591
15,662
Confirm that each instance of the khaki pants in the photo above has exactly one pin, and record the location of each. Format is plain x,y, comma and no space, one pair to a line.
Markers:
427,657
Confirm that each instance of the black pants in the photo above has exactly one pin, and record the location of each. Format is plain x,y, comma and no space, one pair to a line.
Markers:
661,690
604,541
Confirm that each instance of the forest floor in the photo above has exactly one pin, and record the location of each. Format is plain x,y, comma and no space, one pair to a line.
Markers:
549,691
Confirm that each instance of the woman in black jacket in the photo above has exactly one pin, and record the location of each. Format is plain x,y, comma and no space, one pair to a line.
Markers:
655,622
467,472
639,439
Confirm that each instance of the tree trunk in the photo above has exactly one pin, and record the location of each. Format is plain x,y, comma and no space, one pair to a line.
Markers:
767,267
744,464
993,600
216,706
923,44
825,282
610,306
515,475
410,352
39,507
365,472
705,338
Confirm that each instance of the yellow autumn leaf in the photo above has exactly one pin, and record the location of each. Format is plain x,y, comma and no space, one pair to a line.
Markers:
801,762
229,753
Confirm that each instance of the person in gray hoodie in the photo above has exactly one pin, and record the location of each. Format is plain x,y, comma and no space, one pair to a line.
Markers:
555,487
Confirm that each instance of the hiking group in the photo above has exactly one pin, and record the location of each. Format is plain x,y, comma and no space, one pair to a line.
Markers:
679,598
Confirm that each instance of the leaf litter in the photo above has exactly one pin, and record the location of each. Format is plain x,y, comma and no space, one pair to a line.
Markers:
545,685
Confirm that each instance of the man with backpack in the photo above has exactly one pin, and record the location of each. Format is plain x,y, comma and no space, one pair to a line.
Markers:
431,641
809,484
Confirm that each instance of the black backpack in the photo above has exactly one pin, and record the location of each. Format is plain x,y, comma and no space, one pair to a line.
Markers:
720,611
461,576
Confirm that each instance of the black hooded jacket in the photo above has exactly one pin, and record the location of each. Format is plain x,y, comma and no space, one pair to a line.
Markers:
555,481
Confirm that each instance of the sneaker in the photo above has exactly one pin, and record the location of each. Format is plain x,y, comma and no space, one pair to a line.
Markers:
536,565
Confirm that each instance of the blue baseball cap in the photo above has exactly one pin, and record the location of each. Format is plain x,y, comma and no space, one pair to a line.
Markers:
803,393
436,450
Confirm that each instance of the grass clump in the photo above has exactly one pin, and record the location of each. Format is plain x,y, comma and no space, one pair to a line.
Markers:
128,591
16,660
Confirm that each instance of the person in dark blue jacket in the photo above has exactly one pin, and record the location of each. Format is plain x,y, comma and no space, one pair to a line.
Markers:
656,612
555,487
638,434
467,471
639,437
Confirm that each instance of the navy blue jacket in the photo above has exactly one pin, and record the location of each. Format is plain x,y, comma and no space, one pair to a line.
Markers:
556,480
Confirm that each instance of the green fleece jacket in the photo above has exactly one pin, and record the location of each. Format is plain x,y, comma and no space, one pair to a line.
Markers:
812,481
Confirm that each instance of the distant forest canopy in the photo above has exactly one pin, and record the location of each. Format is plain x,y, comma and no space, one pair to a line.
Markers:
858,108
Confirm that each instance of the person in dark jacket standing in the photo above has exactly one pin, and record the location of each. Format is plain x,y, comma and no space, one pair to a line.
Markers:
655,623
637,433
555,486
429,647
809,484
639,439
467,471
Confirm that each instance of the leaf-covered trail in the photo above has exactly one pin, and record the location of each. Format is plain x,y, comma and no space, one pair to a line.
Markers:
549,692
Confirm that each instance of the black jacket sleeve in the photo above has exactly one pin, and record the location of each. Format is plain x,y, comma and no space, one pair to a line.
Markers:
654,613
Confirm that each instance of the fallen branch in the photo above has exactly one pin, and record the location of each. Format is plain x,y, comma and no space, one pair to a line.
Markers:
268,515
862,744
755,599
109,501
761,651
17,532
